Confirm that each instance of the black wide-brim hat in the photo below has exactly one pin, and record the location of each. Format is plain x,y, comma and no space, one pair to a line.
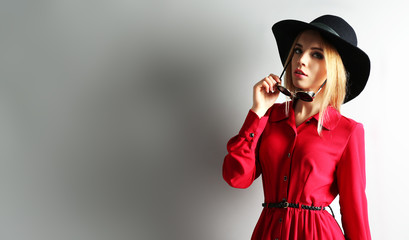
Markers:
338,33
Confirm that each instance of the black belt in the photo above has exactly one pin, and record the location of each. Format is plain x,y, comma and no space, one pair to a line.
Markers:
285,204
291,205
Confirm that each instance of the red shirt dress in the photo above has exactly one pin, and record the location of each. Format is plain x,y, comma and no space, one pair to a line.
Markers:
299,166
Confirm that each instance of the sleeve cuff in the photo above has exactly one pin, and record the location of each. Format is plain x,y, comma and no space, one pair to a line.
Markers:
253,126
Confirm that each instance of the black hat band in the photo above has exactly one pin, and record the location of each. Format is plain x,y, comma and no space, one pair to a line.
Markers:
325,27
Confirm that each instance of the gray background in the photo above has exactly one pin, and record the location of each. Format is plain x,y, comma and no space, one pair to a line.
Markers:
114,115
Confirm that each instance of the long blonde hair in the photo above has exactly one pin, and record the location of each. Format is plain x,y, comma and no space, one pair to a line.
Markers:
333,93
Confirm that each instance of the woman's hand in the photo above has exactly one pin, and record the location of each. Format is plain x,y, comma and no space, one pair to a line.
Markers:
265,94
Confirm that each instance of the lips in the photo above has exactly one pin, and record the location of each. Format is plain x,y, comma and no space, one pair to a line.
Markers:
300,72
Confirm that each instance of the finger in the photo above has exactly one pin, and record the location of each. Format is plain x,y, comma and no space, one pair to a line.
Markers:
271,83
275,77
275,81
266,85
259,84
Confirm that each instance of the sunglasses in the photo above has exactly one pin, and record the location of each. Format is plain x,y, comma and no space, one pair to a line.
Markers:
306,96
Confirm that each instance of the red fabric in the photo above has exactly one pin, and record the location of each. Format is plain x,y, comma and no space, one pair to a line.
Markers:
302,167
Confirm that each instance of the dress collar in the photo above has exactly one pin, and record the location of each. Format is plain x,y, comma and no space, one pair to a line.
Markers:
331,115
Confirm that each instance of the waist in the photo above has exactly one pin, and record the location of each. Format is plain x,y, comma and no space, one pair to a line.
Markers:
284,204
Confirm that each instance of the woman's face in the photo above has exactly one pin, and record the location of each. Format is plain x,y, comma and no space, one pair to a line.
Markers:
309,69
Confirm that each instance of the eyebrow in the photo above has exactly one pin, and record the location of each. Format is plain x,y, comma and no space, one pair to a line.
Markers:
314,48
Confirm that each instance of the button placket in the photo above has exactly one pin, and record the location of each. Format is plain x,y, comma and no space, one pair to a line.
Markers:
286,173
286,170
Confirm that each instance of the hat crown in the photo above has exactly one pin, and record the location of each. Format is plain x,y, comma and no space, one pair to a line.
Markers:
338,26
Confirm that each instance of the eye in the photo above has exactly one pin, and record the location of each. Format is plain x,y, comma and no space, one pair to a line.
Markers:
318,55
297,50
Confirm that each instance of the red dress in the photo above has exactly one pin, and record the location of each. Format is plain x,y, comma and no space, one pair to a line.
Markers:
299,166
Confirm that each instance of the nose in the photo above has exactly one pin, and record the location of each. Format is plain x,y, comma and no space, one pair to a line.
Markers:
303,59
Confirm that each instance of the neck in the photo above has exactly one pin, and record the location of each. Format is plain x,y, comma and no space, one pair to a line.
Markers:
304,110
307,107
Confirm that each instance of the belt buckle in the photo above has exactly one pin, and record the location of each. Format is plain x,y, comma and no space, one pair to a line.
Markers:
286,204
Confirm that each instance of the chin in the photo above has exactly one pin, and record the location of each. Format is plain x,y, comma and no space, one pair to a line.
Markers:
299,85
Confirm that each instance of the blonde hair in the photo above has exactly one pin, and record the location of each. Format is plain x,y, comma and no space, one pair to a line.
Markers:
333,93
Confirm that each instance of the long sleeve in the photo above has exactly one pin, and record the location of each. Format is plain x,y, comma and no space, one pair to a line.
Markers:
351,181
240,166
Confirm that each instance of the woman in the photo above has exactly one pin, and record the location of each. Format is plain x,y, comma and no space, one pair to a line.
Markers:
306,151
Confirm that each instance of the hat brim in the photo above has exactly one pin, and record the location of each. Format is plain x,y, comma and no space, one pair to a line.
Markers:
355,60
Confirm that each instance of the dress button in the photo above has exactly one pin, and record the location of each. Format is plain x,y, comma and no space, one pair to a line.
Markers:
289,154
276,239
285,178
308,121
280,220
251,134
284,200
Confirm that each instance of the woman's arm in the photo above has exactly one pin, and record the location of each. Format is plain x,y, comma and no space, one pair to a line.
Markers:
241,166
351,181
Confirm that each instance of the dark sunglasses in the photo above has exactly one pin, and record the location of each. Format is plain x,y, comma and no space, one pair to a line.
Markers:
302,95
306,96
